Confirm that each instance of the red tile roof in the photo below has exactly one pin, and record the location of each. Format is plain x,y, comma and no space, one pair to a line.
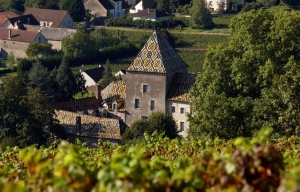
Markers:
18,35
6,14
55,16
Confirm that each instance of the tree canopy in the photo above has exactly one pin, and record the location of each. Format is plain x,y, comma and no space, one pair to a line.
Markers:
74,7
159,122
200,15
252,81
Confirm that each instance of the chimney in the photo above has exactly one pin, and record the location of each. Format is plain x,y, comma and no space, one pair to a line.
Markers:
78,125
148,10
98,93
9,33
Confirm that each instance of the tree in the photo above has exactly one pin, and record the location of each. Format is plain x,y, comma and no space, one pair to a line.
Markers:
221,6
267,3
163,5
35,3
10,60
201,17
79,46
107,77
232,96
157,121
74,7
66,81
24,115
12,5
35,50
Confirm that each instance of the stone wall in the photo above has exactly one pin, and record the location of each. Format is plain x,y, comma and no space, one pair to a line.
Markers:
18,48
157,89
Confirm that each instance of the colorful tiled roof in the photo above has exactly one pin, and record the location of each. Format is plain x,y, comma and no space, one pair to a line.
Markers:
91,126
79,104
157,56
116,89
180,87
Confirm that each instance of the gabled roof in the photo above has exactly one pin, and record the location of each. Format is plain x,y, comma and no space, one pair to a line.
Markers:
106,4
150,14
96,74
116,89
5,15
180,87
157,56
18,35
91,126
51,33
148,4
24,19
55,16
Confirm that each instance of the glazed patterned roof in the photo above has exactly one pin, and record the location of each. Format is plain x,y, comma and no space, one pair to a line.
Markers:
91,126
116,89
180,87
79,104
157,56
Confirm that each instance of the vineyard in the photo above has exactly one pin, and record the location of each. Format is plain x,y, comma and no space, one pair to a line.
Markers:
222,21
157,164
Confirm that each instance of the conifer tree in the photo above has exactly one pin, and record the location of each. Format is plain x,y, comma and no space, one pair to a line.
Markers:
107,77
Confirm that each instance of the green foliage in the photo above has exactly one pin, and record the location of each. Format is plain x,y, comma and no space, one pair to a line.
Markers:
222,21
158,164
252,6
12,5
79,46
200,15
11,61
108,77
66,81
35,50
194,59
24,115
251,82
74,7
35,3
159,122
79,95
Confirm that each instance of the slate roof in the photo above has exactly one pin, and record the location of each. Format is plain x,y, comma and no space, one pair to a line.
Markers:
96,74
116,89
18,35
91,126
5,15
106,4
157,56
55,16
181,84
51,33
79,105
24,19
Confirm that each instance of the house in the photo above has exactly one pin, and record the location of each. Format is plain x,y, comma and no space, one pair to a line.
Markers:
51,18
19,22
53,35
157,80
142,5
5,15
104,8
213,5
92,76
86,120
17,41
150,14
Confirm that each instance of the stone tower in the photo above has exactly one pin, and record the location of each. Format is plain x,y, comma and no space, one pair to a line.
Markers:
149,77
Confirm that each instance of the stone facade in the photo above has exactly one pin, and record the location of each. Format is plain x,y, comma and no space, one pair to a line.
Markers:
17,47
96,8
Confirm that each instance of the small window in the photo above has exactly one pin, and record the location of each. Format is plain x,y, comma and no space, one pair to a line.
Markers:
145,88
48,24
144,117
69,21
44,24
182,110
173,109
137,103
181,128
111,15
114,106
152,105
4,41
13,42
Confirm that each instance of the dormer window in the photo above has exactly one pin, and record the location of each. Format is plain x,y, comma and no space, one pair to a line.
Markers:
48,24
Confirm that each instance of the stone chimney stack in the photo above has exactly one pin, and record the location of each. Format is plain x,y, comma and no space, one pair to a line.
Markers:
78,125
9,33
98,93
